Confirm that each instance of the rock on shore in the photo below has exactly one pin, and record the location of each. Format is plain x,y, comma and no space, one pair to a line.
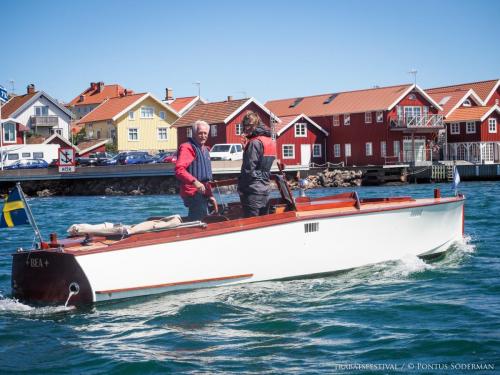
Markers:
335,178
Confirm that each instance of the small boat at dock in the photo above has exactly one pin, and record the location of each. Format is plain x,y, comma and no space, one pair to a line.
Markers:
300,237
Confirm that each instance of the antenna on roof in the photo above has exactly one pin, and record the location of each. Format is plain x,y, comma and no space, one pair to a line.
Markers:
414,73
12,87
198,83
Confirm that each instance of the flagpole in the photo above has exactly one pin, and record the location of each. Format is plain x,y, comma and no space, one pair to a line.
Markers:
29,213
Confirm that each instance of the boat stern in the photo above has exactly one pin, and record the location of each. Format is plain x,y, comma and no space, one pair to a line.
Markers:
49,277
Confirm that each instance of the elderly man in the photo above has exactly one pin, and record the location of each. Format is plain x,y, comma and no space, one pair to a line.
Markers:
194,171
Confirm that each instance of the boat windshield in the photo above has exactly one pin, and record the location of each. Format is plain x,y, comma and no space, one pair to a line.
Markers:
220,148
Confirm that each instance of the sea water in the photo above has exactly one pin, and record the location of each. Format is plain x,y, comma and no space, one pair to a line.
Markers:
405,315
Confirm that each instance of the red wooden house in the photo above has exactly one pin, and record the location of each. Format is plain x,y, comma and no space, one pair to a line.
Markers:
374,126
300,141
470,111
224,119
473,134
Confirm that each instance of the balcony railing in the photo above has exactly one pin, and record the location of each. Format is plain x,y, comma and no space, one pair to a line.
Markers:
418,122
44,121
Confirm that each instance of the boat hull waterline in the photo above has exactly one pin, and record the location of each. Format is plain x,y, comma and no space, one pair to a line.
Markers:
283,246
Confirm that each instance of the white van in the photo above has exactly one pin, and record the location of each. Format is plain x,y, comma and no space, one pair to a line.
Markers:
13,153
226,151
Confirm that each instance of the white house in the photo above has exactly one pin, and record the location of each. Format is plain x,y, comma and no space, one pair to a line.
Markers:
39,112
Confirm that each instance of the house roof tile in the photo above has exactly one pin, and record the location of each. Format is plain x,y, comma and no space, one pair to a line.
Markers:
481,88
109,108
448,99
213,113
15,103
468,114
179,103
337,103
94,96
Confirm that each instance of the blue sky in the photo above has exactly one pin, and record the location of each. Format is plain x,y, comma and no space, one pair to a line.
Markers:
266,49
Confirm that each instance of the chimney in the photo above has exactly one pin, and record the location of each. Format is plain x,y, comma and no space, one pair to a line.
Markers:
169,94
82,98
100,85
93,86
229,98
30,89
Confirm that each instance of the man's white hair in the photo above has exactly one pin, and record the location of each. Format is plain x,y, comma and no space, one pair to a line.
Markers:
199,123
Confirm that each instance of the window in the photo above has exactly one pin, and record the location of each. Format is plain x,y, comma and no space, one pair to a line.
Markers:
455,128
467,103
380,116
368,149
239,129
300,129
162,134
336,150
147,112
316,150
133,134
383,149
42,111
162,115
131,115
9,132
239,148
347,119
26,155
492,125
470,127
38,155
288,151
213,130
336,121
98,134
347,149
12,156
189,132
368,117
395,146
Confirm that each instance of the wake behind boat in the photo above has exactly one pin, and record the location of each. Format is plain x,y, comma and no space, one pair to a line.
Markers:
301,237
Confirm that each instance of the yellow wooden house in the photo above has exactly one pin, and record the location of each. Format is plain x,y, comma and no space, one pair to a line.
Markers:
133,122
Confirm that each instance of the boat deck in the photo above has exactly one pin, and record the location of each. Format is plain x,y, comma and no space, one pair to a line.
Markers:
232,221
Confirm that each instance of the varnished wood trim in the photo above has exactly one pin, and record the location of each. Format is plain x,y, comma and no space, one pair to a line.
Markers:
175,284
183,234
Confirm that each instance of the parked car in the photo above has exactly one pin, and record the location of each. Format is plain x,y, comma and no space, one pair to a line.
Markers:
167,157
226,151
109,161
97,158
28,164
134,157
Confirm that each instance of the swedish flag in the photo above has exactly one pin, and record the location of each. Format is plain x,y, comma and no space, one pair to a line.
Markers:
14,210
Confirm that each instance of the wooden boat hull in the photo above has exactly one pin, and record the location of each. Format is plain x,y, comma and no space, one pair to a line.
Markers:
278,246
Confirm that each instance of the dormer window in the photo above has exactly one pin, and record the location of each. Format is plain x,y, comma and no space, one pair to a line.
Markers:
467,103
